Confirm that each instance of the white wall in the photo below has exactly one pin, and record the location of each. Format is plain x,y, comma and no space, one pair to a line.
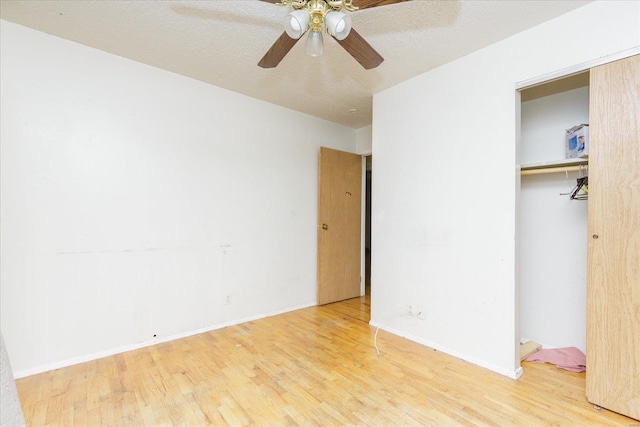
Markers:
544,121
553,239
137,203
364,140
444,200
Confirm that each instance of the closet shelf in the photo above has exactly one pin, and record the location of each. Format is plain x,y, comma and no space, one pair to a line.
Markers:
565,165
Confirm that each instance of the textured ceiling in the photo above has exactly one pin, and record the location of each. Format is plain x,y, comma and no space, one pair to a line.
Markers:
220,42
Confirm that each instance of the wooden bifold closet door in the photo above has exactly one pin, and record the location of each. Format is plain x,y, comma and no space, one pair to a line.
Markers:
613,280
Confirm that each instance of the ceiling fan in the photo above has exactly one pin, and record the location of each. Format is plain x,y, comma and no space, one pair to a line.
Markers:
311,16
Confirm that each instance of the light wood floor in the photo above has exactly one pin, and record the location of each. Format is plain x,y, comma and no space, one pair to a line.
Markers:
315,366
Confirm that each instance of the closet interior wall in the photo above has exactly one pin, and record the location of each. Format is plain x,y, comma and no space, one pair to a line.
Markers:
553,228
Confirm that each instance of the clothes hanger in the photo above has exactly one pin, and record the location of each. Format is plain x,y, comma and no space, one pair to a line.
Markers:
581,189
582,184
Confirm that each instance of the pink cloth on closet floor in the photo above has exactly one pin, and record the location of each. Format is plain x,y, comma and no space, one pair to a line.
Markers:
570,358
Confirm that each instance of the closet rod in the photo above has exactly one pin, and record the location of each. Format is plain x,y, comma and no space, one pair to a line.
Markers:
549,170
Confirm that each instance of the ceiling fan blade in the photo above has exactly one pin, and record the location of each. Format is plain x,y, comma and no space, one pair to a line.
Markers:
278,50
365,4
271,1
361,50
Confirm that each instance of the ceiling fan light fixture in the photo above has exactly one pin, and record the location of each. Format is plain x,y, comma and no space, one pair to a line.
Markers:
296,23
315,44
338,24
313,17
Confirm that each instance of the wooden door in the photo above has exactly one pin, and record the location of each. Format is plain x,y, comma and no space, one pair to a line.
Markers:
339,219
613,281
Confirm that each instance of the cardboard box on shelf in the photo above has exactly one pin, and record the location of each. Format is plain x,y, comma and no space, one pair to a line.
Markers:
577,142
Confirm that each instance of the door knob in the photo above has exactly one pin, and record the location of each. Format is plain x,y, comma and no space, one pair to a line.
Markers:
325,227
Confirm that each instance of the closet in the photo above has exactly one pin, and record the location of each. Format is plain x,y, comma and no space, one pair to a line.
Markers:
607,265
553,228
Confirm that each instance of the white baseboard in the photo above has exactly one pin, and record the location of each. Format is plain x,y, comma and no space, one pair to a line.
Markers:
129,347
514,374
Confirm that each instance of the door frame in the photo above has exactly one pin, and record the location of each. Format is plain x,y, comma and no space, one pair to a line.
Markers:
363,243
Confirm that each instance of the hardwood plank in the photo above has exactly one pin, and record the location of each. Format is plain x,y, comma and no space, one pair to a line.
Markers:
323,371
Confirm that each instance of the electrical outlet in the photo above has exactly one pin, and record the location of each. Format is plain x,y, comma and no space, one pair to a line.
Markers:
227,300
